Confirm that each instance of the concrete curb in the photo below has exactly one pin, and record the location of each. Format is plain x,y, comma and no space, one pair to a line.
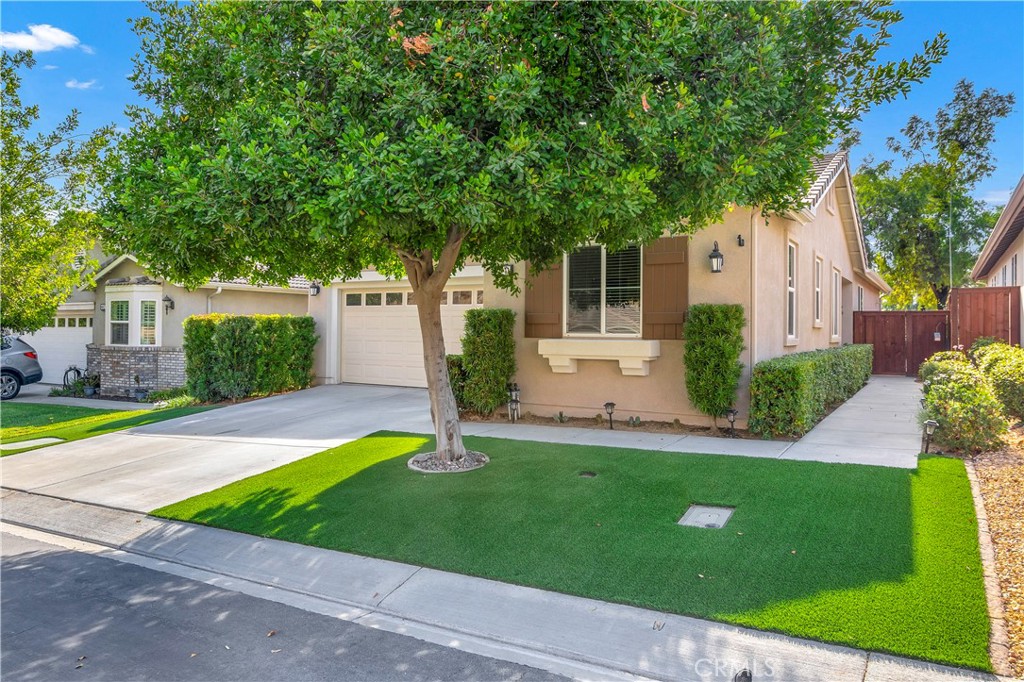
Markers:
999,639
582,638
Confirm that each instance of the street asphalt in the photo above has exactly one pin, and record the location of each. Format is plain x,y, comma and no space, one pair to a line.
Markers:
71,615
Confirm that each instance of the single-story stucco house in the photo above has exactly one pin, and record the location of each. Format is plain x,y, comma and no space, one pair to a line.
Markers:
1001,259
605,327
130,324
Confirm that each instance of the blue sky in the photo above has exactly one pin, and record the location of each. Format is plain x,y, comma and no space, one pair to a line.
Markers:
92,51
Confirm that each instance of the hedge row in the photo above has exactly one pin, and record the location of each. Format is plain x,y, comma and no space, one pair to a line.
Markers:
235,356
961,399
790,394
481,375
714,341
1004,366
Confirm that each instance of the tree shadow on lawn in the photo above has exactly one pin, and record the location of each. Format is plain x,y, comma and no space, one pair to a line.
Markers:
832,552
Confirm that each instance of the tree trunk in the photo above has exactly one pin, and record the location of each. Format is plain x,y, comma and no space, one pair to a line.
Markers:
941,295
428,281
443,410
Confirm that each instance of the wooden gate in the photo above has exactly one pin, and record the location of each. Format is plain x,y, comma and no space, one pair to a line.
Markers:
902,339
986,311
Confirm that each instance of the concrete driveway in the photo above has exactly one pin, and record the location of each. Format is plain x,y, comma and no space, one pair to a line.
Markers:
149,467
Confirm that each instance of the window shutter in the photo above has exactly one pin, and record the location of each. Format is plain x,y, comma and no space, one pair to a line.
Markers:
665,288
544,304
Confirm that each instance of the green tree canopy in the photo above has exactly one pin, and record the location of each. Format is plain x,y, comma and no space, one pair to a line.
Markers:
320,139
916,218
45,224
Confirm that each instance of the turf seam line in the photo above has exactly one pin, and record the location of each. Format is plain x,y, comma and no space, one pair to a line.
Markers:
999,640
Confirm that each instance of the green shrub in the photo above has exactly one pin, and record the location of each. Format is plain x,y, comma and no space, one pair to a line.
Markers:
983,342
714,341
162,394
939,362
961,399
457,377
1003,365
489,357
790,394
235,356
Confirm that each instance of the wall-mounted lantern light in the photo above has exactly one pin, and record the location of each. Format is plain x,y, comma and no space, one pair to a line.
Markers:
929,430
610,409
314,289
739,240
168,304
716,258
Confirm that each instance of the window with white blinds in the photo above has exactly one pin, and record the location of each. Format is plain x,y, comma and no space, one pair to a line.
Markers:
603,291
147,323
119,323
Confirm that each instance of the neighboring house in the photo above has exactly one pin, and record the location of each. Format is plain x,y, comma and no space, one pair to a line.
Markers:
605,327
130,324
1001,259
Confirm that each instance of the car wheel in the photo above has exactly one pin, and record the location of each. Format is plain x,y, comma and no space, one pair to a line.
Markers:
10,386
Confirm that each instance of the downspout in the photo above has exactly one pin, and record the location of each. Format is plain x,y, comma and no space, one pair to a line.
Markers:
753,288
209,300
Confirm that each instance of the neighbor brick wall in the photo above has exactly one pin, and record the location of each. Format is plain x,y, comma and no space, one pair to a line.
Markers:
158,367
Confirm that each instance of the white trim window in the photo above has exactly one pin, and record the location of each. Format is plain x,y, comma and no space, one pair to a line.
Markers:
837,303
603,292
133,315
119,322
791,297
860,297
1013,271
1004,276
819,267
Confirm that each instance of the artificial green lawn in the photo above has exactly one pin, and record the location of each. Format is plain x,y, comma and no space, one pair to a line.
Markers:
28,421
875,558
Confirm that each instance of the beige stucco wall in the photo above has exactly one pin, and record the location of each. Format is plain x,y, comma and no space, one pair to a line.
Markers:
188,303
754,276
995,278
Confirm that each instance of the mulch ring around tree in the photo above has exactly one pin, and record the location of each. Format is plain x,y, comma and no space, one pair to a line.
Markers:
428,463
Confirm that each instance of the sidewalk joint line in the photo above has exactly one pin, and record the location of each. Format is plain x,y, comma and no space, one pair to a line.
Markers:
399,586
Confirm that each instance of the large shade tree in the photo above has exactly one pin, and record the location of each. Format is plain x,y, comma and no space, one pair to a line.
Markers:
319,139
923,226
47,181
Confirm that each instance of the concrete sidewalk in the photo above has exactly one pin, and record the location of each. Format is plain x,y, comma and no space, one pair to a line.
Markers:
583,638
40,394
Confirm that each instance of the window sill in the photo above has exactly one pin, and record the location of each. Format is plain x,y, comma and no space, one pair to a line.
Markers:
633,355
791,341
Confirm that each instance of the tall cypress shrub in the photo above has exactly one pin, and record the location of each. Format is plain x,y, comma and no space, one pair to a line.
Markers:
489,357
714,341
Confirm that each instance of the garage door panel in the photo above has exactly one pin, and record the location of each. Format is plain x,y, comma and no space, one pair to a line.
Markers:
59,348
382,344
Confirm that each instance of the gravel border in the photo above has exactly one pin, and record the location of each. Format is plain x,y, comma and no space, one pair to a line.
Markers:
427,463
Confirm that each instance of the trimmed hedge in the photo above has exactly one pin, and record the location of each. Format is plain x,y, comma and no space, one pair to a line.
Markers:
961,399
790,394
939,362
1003,365
235,356
488,357
714,341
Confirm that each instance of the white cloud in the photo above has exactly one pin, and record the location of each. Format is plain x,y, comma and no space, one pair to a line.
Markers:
50,67
88,49
39,38
997,197
76,84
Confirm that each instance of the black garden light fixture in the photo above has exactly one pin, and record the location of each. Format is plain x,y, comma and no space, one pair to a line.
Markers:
168,304
513,403
731,414
610,409
739,240
929,430
716,258
314,289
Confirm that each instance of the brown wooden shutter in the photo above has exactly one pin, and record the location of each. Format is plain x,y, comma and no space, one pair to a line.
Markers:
544,304
665,288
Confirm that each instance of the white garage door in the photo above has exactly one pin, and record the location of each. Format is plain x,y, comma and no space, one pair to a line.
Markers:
380,334
62,344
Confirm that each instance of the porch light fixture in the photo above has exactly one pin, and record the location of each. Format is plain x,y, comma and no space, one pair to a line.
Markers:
610,409
731,414
929,430
716,258
314,289
513,403
168,304
739,240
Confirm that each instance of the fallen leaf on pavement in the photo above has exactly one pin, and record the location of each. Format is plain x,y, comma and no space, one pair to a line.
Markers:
271,633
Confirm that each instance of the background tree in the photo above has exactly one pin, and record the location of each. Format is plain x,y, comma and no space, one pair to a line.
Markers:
321,139
916,217
45,224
